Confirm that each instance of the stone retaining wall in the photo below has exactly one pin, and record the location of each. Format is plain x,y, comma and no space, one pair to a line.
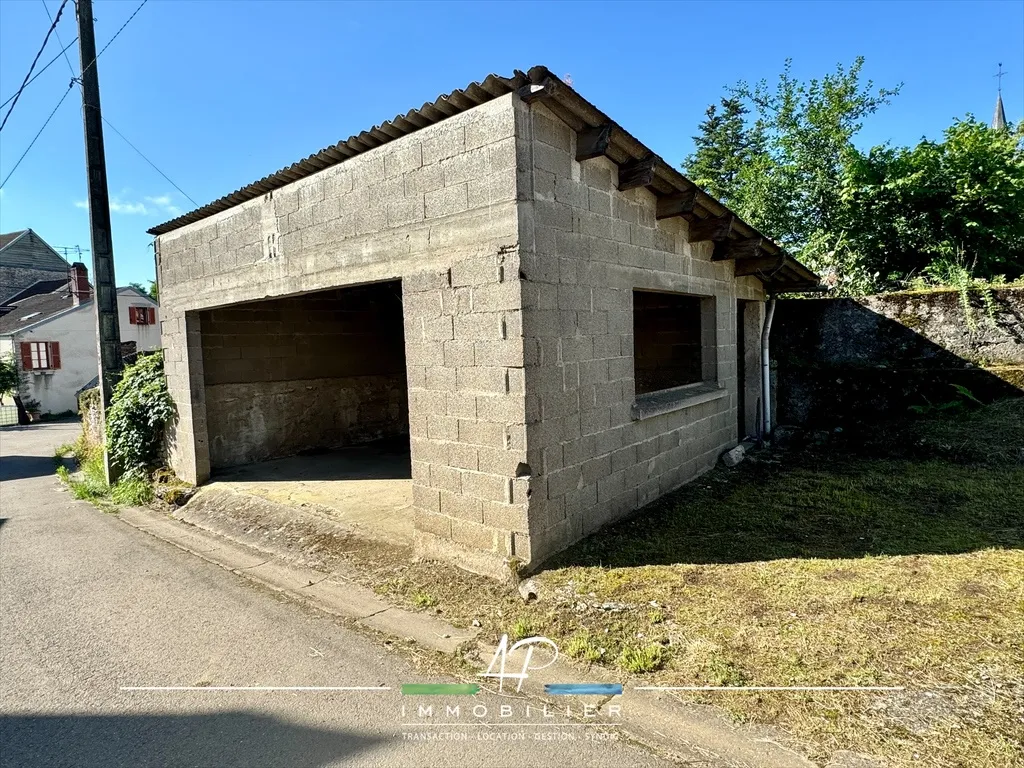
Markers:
840,361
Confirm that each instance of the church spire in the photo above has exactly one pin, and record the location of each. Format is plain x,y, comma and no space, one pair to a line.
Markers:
999,116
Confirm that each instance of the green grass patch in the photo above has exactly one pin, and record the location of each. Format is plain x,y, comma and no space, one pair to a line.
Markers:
89,482
582,647
521,627
637,660
893,559
133,491
424,600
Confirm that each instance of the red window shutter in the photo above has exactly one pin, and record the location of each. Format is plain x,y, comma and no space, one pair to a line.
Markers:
152,316
26,356
55,355
132,318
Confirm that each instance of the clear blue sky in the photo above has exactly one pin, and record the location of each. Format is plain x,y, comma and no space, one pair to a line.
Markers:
219,94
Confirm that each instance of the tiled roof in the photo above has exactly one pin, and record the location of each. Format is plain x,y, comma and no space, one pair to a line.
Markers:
34,309
38,287
10,237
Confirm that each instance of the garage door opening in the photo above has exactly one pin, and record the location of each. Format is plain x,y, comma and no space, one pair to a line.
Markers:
307,402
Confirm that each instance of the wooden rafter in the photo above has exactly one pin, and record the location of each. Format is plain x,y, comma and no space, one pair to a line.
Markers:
716,228
677,204
593,142
636,173
745,248
766,265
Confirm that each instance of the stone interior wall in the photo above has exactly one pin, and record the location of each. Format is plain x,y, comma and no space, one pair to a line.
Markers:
585,248
846,361
322,370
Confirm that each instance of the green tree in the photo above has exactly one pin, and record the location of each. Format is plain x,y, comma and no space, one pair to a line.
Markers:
794,151
8,377
10,384
958,199
724,149
153,291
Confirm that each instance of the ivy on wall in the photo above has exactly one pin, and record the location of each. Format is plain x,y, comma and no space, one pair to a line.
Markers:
140,407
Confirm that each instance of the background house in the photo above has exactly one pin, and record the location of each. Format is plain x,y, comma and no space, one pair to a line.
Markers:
51,332
25,260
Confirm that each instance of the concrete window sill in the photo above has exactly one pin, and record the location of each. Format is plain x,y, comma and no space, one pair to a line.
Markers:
675,399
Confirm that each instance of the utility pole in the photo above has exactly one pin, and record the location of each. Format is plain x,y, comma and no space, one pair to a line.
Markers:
108,332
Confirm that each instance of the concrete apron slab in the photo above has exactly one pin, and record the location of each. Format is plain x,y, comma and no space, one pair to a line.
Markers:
302,535
277,559
365,488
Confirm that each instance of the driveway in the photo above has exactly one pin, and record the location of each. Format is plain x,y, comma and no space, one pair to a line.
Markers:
89,605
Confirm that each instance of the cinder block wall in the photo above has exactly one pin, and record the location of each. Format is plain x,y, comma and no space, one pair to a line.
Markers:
436,209
585,247
518,267
323,370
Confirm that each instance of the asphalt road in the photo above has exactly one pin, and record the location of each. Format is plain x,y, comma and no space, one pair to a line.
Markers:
89,605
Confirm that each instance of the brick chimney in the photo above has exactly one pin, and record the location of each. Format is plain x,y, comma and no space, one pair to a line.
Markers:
79,283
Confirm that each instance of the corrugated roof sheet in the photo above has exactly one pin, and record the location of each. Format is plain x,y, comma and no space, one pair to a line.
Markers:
576,111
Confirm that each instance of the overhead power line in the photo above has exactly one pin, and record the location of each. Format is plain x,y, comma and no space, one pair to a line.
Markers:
74,80
34,62
64,54
115,35
70,86
64,50
139,151
37,74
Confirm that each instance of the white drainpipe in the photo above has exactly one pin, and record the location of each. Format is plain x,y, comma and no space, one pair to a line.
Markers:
766,379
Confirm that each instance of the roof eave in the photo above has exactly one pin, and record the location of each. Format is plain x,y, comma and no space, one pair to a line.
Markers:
45,320
561,98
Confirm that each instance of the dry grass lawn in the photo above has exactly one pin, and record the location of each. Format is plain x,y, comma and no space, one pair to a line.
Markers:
894,562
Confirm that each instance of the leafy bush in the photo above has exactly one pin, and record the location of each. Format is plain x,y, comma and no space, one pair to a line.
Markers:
8,376
139,409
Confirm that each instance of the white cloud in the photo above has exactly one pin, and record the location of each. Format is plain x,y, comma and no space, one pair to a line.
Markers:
157,205
117,206
163,202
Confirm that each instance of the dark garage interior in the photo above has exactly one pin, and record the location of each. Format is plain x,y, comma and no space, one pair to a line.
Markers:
305,373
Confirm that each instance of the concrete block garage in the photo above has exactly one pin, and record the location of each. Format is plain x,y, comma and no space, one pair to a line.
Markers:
531,323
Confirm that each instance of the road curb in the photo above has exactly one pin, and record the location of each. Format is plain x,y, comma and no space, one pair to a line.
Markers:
693,734
328,592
